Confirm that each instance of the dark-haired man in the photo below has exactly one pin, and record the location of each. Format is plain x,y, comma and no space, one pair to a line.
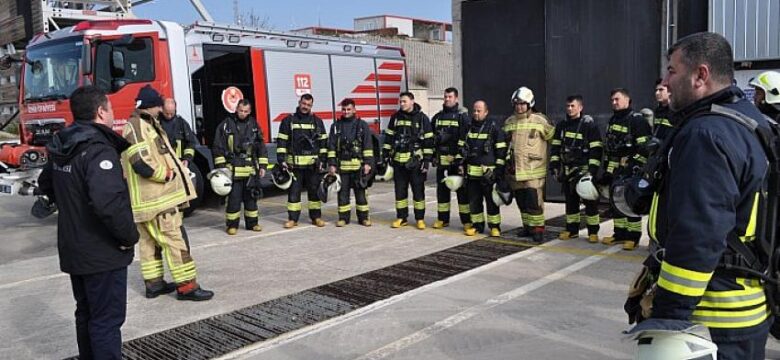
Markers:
627,135
351,155
662,125
302,148
240,148
450,126
95,228
408,148
711,176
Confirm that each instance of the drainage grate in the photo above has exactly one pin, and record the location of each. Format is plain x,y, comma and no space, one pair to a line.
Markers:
221,334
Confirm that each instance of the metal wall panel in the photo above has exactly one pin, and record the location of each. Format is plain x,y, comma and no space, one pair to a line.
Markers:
752,27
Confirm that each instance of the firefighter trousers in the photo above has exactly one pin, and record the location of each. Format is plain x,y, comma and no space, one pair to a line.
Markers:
240,194
162,239
403,178
480,193
529,196
443,197
349,181
627,228
573,201
310,179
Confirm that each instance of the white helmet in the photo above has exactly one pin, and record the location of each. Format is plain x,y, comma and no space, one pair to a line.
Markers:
674,345
329,187
453,182
525,95
387,175
221,183
769,81
281,177
586,189
501,196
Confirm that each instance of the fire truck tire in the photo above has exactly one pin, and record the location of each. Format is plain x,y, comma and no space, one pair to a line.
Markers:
198,181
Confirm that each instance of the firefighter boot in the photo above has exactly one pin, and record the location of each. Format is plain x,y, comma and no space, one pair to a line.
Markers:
231,231
420,224
257,227
290,224
190,290
341,223
593,238
318,222
438,224
567,235
156,288
366,222
398,223
537,234
629,245
495,232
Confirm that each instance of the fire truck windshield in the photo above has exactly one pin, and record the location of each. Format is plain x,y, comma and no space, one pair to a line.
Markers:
52,70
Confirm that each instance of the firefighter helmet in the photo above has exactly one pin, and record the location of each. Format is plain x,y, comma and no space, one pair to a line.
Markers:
769,81
674,345
523,95
453,182
502,194
221,183
586,189
329,187
632,195
281,177
387,174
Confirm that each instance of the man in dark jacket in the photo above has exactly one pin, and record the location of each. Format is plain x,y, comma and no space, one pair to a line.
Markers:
711,175
662,125
409,148
95,231
179,132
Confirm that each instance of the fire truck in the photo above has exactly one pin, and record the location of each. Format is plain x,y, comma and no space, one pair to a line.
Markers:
207,68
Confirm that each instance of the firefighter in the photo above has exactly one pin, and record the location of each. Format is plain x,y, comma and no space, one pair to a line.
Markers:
576,152
159,187
706,196
302,149
351,155
528,133
408,147
627,134
484,165
239,147
180,134
662,125
450,126
767,95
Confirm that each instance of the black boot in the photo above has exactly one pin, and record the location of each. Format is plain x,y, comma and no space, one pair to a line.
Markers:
158,287
193,292
524,231
537,235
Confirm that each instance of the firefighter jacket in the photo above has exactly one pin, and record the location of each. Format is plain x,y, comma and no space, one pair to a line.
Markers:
350,145
409,134
627,134
577,145
709,192
485,147
450,126
528,135
84,178
239,146
156,178
662,124
302,140
180,136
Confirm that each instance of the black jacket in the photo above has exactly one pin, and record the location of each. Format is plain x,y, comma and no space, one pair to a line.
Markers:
716,169
180,136
662,122
627,135
349,144
239,143
409,134
84,177
577,145
302,140
450,126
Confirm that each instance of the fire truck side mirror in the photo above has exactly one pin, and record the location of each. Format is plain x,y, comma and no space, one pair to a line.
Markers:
86,58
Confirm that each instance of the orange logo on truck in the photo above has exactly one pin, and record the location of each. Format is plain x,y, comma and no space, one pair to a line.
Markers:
302,84
230,97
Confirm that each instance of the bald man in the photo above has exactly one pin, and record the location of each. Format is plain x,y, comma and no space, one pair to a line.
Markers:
179,132
484,163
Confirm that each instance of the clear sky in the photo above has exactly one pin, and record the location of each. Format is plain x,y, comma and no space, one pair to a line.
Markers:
291,14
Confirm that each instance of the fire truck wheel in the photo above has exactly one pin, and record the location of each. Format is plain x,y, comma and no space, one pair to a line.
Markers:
198,181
